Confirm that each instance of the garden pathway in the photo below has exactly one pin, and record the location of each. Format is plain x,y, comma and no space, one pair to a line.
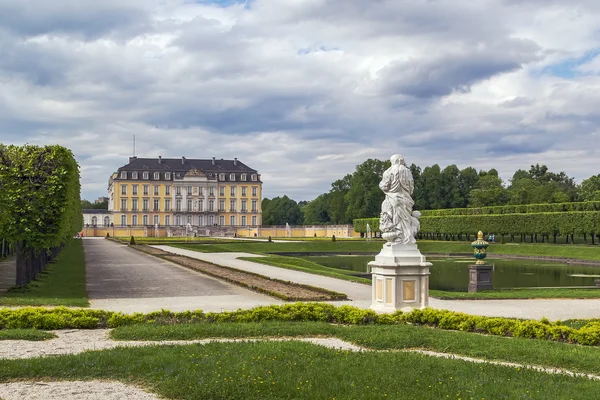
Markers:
123,279
8,273
360,294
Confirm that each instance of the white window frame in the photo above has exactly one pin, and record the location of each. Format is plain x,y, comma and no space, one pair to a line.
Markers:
123,220
211,191
189,205
222,220
244,191
244,177
200,191
200,205
254,177
167,220
211,206
232,220
221,205
167,190
201,220
232,177
254,206
167,205
177,190
123,190
145,176
123,201
134,204
167,175
157,176
134,190
157,190
134,175
221,190
145,205
145,220
134,220
146,189
244,220
254,191
221,177
232,191
190,220
244,206
123,175
254,220
232,205
178,206
156,205
156,220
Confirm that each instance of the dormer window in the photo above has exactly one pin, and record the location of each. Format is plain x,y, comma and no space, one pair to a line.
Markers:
232,177
123,175
134,175
167,175
254,177
145,175
221,177
244,177
157,175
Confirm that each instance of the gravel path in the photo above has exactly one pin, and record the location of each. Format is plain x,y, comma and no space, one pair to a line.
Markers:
73,390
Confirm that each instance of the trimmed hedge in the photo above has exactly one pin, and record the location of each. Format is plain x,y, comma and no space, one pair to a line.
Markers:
558,223
66,318
516,209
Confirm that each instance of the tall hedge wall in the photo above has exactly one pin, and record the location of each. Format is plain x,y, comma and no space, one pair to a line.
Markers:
40,207
557,223
516,209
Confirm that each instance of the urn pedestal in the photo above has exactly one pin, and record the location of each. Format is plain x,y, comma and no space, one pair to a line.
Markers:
400,276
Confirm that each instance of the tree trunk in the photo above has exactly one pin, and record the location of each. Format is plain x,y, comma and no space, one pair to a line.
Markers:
21,266
585,238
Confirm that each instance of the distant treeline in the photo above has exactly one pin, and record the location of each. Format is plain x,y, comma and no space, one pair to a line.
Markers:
357,195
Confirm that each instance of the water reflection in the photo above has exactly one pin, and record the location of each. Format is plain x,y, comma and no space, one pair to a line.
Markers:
452,274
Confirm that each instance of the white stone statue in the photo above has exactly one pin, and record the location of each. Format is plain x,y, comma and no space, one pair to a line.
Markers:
396,221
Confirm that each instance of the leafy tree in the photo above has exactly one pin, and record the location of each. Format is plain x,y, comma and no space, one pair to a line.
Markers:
364,197
467,181
489,191
590,188
317,211
432,188
88,205
337,200
281,210
450,187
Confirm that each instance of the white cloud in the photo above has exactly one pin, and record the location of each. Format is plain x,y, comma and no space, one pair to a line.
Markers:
304,90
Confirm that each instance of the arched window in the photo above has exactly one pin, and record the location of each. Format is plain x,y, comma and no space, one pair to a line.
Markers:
134,221
221,220
167,220
94,221
156,220
145,220
123,220
106,221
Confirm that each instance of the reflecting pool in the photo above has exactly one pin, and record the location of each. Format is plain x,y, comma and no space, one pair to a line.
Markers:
452,274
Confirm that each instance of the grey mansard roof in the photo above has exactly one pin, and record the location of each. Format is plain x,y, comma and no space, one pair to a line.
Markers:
176,164
183,165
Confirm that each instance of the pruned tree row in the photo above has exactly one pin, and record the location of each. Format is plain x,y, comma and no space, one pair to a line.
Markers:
40,207
548,226
517,209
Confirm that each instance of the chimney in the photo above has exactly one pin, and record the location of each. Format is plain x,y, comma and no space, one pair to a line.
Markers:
131,159
160,159
213,161
183,160
235,161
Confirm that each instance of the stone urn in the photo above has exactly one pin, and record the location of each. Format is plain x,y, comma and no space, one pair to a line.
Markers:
480,248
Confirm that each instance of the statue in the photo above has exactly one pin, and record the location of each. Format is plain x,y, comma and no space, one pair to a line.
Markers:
396,221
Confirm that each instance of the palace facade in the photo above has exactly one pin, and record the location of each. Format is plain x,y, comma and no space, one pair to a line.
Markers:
162,192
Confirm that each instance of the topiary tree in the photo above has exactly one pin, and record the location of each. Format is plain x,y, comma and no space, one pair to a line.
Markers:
107,234
333,238
132,241
270,240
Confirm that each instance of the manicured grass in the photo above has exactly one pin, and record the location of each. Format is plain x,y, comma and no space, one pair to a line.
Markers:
374,246
280,370
62,283
518,350
25,334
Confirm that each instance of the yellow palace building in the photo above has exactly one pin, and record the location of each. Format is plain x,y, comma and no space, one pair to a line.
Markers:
180,192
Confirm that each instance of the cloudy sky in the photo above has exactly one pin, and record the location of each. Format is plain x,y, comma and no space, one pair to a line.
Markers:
304,90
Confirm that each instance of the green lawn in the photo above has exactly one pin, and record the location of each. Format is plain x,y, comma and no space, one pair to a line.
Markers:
386,337
374,246
294,370
62,283
25,334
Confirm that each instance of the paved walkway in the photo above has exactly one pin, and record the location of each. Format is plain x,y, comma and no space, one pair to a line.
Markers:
360,294
8,273
123,279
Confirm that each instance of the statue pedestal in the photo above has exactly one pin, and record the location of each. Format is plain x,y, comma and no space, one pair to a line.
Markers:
400,278
480,277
